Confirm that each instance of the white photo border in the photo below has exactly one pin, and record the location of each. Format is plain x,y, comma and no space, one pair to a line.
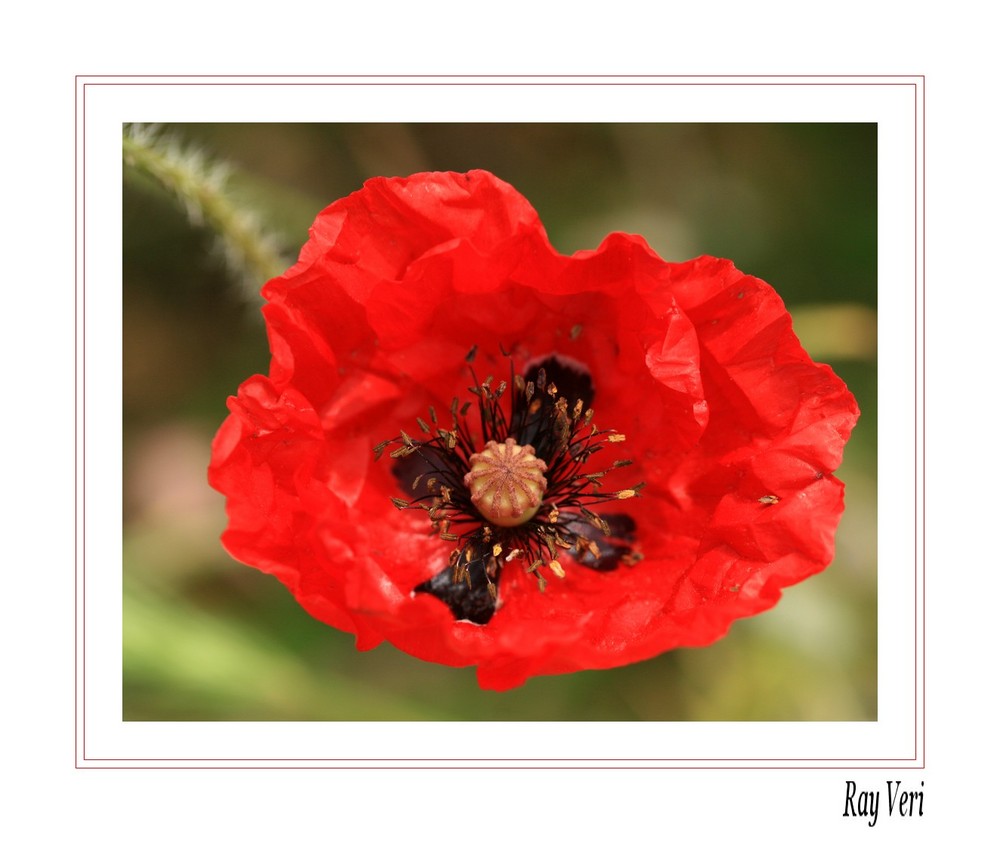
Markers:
104,103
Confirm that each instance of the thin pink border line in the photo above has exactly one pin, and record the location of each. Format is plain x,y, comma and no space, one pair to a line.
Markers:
491,768
80,431
874,763
474,768
498,76
920,271
505,84
920,130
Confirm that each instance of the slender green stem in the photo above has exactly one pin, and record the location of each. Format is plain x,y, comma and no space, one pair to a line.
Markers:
200,185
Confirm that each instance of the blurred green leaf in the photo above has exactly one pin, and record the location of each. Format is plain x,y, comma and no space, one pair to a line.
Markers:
218,668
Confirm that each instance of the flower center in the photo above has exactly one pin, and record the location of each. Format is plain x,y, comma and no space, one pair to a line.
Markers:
523,496
506,482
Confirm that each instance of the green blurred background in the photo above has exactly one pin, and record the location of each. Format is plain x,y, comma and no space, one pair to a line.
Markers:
206,638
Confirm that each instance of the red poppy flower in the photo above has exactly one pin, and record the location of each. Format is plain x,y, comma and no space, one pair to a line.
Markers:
645,440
